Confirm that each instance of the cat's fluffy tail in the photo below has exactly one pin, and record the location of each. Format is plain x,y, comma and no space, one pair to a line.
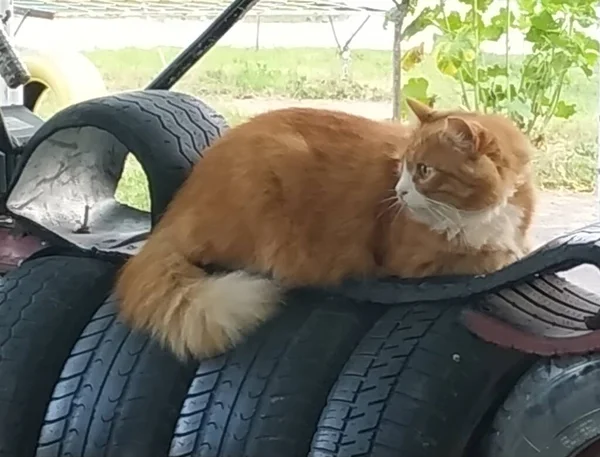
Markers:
189,311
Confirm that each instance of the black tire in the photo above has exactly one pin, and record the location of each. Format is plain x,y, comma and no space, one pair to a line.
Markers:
44,306
264,399
119,394
32,91
128,397
166,131
419,385
554,411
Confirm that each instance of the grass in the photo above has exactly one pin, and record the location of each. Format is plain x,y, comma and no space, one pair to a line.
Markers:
226,77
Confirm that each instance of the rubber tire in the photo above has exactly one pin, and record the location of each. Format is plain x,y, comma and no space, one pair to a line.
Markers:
111,372
553,411
44,306
128,397
166,132
419,385
70,75
264,399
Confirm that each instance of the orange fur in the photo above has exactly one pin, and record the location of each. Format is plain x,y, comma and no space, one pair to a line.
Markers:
307,196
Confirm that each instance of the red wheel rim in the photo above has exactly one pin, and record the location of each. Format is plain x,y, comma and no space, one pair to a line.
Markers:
592,450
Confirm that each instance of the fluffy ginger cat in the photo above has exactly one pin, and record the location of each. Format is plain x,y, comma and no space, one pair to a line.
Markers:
309,197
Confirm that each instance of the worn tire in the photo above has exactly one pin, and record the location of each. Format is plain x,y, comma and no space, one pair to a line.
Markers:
553,411
119,394
418,385
111,370
71,76
127,396
264,399
166,132
44,306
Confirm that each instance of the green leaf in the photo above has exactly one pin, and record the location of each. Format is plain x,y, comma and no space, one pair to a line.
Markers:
446,66
449,54
495,70
544,21
561,61
544,101
564,110
454,22
585,42
498,25
467,77
429,16
413,57
416,88
527,6
587,70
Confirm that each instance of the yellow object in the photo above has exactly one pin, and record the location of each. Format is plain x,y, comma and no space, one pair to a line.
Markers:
469,55
413,57
71,76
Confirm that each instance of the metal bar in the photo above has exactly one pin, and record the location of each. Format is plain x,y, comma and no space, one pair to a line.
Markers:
33,12
10,96
201,45
598,136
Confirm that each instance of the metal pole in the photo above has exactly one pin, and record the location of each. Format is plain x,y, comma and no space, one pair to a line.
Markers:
201,45
257,44
598,148
398,15
598,120
9,96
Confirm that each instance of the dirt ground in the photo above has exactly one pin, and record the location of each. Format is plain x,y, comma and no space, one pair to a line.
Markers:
558,213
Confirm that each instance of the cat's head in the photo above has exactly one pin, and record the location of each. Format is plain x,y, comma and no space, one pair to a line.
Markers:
459,163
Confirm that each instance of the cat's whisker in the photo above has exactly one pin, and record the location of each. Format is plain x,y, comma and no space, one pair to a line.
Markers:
443,218
384,210
392,198
400,207
449,214
395,202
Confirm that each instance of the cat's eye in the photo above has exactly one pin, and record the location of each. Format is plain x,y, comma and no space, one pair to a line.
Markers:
423,171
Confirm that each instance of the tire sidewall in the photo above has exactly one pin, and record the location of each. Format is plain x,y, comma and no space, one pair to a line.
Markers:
165,158
553,411
418,384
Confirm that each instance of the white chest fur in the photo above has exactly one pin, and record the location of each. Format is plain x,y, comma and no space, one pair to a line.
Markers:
494,227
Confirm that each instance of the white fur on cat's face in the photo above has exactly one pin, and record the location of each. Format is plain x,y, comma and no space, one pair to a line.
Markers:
408,193
496,225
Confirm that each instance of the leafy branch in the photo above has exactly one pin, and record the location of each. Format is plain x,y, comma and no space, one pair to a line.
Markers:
532,94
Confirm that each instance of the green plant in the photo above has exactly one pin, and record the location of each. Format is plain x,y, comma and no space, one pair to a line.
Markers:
533,93
558,46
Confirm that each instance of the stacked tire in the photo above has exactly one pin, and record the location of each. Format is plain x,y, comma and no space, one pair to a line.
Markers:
329,377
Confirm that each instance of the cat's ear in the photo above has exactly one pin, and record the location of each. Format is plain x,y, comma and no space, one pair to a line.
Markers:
471,135
423,112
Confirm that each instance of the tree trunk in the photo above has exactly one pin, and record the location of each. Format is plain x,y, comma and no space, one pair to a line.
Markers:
397,70
398,17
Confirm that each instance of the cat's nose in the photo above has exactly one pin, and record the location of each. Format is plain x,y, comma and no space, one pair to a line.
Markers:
402,193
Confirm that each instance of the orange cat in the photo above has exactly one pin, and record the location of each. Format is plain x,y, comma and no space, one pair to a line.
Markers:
310,197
